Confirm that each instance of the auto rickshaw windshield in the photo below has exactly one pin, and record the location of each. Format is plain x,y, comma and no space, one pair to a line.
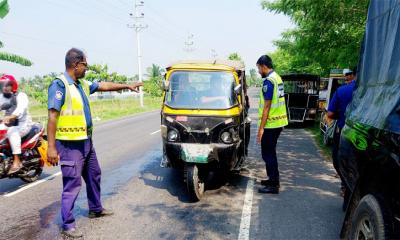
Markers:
201,90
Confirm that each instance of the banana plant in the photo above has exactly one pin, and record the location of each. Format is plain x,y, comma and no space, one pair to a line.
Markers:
9,57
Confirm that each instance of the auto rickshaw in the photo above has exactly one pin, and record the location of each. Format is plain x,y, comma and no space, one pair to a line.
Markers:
327,126
205,126
301,95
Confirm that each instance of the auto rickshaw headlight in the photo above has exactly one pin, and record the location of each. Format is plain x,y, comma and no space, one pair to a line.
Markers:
226,137
172,136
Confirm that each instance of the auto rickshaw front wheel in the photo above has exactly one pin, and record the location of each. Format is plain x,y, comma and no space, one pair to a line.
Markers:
194,182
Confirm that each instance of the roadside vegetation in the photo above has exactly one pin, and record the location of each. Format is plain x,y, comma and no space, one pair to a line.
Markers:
102,109
326,34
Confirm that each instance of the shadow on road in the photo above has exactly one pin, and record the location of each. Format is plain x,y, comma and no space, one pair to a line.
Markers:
9,185
172,180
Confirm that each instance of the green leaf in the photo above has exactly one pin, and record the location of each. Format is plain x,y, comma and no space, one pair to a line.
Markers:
4,8
9,57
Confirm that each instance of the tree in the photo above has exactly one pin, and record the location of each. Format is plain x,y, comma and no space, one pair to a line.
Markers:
327,35
154,71
36,87
235,57
98,72
9,57
152,85
253,78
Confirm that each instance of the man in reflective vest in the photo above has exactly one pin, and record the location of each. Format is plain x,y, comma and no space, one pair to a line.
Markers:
272,119
70,137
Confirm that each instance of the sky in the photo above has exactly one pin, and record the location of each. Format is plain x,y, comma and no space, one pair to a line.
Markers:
44,30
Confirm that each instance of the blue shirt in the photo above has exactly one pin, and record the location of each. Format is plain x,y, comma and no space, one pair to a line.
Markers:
340,101
56,97
268,88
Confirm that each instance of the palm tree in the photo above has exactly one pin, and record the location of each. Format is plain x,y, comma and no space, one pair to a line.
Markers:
154,71
9,57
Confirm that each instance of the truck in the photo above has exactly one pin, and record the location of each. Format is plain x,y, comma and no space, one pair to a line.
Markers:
369,151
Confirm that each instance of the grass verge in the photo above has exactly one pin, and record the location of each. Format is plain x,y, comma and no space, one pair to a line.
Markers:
319,138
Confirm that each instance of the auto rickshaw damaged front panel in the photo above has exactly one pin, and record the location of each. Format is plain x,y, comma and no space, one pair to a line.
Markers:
199,139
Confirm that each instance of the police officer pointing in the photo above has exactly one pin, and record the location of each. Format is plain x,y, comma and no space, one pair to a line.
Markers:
272,119
70,137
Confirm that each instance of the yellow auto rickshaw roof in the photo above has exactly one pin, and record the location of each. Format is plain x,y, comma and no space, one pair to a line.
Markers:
225,65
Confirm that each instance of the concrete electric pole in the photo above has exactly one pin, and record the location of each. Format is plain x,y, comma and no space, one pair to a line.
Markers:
138,27
189,45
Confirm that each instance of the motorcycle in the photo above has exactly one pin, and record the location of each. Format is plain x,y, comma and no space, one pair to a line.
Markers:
33,157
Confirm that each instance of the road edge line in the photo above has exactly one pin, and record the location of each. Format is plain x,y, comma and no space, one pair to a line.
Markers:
32,184
244,230
155,132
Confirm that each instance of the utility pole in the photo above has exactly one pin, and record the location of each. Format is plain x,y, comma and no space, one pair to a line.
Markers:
138,27
214,54
189,45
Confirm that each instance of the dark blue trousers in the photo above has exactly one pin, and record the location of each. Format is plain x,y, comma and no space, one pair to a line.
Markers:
78,160
268,151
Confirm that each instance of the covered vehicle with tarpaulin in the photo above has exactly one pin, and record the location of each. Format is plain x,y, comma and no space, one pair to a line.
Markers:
369,152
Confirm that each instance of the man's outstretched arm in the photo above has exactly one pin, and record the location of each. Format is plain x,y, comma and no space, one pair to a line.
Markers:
110,86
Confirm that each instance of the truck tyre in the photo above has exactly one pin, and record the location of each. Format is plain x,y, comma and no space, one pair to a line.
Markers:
369,220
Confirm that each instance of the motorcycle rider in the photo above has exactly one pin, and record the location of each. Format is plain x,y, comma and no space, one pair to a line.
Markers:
17,117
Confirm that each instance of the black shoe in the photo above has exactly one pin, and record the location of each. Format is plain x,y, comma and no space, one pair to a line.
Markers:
73,233
270,183
269,189
103,213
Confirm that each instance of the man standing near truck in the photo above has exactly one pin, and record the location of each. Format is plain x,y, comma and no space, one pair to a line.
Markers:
337,109
272,119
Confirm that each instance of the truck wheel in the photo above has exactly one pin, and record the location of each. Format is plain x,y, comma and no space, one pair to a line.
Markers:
368,221
194,182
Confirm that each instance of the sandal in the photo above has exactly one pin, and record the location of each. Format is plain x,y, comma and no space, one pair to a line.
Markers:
14,170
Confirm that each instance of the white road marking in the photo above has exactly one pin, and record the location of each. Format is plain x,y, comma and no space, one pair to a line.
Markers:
244,231
155,132
32,184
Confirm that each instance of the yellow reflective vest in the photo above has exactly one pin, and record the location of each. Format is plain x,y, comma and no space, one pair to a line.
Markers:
277,116
71,124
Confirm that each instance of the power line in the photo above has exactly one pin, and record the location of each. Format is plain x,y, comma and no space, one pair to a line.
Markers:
124,3
84,13
165,31
101,10
160,15
115,6
63,44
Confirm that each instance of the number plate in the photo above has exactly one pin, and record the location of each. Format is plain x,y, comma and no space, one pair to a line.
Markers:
197,153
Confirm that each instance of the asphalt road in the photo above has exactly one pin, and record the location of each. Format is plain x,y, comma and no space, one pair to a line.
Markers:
151,202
